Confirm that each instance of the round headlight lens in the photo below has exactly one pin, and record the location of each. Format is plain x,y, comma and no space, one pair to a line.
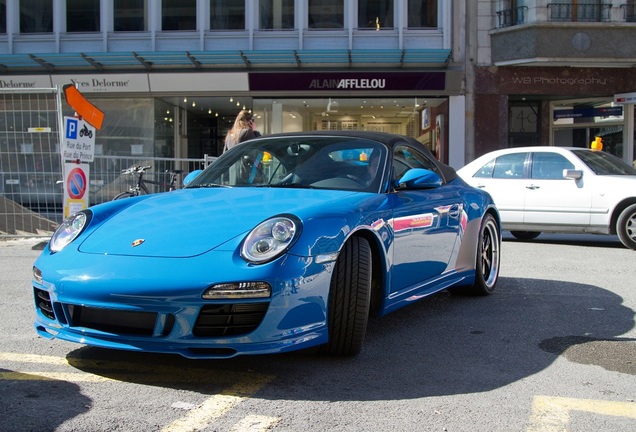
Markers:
270,239
68,231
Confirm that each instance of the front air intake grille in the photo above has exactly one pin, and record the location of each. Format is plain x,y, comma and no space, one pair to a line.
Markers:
43,303
229,319
113,321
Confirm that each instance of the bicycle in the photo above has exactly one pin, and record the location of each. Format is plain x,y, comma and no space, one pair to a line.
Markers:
140,188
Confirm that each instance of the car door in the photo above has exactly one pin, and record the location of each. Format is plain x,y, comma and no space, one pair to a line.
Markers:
552,199
426,224
504,179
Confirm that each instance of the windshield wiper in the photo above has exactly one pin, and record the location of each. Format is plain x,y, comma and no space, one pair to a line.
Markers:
209,185
291,186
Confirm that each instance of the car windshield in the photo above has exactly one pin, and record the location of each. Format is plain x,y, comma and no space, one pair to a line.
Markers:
603,163
316,162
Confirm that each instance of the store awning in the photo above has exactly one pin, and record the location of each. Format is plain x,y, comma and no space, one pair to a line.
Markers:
229,59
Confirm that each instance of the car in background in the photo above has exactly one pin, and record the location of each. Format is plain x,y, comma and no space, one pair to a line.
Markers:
558,190
285,242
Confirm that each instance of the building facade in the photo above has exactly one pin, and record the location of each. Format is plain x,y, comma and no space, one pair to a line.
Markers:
546,73
171,75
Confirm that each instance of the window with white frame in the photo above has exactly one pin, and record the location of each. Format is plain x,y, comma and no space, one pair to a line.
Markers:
325,14
3,16
375,14
227,15
179,14
36,16
130,15
422,14
82,16
276,14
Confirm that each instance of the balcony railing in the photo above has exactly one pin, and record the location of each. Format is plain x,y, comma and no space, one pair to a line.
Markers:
568,12
511,17
629,12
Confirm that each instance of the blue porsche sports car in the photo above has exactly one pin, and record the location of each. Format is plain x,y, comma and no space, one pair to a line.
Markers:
285,242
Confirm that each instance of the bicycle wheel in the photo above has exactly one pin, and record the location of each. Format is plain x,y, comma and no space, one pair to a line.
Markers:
123,195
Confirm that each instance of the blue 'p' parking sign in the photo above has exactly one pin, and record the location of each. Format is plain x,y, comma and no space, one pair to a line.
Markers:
71,128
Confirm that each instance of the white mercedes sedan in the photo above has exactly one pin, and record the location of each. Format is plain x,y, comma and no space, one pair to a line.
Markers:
558,190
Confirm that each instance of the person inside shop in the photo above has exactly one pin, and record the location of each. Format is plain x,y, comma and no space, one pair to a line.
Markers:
242,130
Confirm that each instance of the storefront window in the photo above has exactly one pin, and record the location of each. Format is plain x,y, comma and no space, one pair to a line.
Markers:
82,16
578,123
36,16
179,15
422,13
375,14
129,15
326,14
227,15
420,118
276,14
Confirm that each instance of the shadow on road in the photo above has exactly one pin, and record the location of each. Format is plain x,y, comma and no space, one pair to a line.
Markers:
443,345
55,401
591,240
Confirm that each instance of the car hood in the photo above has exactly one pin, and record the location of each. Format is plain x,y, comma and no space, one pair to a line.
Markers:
190,222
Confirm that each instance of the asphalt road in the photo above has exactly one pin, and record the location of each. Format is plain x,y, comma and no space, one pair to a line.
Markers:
553,349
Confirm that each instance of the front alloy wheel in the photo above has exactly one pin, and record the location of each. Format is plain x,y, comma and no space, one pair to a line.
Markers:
488,255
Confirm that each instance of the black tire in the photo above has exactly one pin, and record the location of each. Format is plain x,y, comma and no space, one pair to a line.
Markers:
525,235
123,195
488,258
349,299
626,227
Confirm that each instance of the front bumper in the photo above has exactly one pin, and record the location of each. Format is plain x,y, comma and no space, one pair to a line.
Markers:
155,304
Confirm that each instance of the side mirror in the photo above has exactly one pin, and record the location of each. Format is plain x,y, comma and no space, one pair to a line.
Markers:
188,179
419,178
572,174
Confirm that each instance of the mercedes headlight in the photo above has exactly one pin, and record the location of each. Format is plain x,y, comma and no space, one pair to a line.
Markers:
69,230
270,239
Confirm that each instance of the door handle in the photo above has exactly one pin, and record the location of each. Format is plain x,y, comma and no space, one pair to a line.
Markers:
533,187
454,211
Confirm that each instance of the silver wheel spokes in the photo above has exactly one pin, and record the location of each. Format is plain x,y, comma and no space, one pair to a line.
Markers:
490,253
630,227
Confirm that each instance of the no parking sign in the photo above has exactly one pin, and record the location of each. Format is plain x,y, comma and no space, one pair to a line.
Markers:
75,188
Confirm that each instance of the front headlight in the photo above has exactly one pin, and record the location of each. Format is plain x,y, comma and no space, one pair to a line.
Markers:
69,230
270,239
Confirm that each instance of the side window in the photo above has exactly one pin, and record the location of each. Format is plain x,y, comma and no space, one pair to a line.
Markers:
405,158
509,166
549,165
486,170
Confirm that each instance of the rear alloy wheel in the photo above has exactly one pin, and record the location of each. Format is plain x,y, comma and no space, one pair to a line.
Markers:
488,256
525,235
626,227
349,299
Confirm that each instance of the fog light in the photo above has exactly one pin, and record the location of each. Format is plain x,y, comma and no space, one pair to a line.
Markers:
238,290
37,275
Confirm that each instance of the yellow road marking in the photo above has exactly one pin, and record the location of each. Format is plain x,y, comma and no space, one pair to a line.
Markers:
255,423
216,406
242,385
49,376
130,371
552,414
32,358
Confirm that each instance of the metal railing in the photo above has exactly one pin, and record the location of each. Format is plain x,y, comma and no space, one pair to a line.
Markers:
629,12
569,12
31,203
511,17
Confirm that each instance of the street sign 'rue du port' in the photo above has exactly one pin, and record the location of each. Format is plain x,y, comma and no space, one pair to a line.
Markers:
79,140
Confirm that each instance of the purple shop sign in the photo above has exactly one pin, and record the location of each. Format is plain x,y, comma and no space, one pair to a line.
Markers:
346,81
